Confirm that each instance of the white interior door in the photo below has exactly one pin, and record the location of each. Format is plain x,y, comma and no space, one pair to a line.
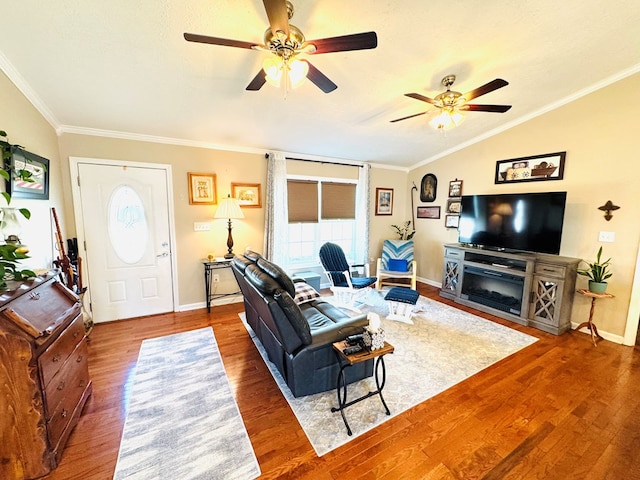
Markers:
125,217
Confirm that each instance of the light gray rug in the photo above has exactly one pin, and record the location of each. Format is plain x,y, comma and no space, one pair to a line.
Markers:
443,347
183,421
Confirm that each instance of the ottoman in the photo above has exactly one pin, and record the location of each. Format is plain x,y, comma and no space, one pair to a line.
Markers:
401,301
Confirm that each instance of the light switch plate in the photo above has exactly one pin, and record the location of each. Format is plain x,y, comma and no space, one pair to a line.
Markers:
607,236
201,226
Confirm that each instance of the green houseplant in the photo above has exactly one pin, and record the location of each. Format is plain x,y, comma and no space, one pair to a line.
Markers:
404,231
11,254
598,273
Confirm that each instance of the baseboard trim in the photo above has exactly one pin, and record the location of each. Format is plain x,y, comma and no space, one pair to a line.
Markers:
216,302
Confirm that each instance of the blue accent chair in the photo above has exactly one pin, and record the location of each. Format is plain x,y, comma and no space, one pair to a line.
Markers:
396,263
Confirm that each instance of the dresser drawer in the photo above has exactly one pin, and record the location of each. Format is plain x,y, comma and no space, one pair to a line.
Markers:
453,253
54,357
70,381
547,269
64,413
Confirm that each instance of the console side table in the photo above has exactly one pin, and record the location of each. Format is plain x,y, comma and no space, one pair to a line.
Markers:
349,360
595,336
209,267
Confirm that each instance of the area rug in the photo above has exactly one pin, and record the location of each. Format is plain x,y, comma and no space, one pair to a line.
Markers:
443,347
183,421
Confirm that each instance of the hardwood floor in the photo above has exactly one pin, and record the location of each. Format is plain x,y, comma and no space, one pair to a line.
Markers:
559,409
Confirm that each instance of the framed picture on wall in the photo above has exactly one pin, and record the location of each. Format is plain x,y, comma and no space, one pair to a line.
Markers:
34,180
384,201
202,189
247,194
455,188
536,168
428,212
451,221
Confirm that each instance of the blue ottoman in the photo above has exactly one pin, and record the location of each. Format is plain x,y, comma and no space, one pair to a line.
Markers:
401,301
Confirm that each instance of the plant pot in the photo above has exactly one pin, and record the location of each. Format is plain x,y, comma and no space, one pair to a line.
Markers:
597,287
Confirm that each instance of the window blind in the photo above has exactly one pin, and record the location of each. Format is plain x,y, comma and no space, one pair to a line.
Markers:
338,201
302,201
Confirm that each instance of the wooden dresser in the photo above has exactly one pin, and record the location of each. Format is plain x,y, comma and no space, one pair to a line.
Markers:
44,376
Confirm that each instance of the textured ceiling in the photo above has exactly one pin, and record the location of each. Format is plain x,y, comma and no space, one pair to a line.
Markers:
123,68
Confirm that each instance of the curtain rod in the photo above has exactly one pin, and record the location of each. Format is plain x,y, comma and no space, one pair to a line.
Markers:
266,155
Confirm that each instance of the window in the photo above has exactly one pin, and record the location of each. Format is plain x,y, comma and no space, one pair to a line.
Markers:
320,210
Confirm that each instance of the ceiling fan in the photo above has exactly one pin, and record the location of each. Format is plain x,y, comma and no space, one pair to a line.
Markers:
451,103
286,42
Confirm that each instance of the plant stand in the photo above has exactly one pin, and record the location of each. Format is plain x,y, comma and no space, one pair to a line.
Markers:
595,336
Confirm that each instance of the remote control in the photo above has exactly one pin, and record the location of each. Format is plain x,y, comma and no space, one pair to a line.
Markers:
351,350
354,339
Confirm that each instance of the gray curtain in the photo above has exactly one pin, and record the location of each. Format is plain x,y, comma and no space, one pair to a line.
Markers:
276,216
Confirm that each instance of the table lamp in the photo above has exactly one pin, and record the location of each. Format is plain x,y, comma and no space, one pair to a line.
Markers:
229,208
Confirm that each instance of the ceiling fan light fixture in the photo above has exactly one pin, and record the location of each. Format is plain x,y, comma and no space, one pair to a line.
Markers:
447,119
275,66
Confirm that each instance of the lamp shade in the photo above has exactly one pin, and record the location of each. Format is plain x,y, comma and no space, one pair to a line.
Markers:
229,208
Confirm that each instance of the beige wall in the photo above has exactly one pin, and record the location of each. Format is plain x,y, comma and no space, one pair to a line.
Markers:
27,127
599,132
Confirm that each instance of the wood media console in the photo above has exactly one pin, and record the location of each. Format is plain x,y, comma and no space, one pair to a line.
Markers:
531,289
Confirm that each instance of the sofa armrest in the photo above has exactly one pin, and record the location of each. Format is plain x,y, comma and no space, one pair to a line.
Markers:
338,331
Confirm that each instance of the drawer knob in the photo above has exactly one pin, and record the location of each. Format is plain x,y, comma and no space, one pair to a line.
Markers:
64,413
56,358
34,295
61,386
79,359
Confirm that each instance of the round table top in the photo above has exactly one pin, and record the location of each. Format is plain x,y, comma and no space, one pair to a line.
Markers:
587,293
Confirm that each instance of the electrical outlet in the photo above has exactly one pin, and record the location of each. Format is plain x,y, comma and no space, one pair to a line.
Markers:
216,278
607,236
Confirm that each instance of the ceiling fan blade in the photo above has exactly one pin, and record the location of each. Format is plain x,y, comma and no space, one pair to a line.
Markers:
278,16
225,42
422,98
344,43
258,81
319,79
485,108
405,118
484,89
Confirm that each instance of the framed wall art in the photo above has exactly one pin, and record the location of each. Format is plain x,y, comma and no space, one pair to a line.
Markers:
247,194
454,205
428,212
384,201
202,189
536,168
36,169
451,221
455,188
428,188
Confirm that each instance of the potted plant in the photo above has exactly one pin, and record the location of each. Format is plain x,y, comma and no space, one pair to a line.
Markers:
404,232
12,253
598,273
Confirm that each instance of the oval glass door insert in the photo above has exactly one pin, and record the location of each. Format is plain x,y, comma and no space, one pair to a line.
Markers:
128,229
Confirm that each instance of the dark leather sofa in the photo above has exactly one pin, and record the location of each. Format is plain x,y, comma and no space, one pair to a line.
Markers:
297,338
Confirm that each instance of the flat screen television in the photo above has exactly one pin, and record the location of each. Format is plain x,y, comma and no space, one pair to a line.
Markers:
528,222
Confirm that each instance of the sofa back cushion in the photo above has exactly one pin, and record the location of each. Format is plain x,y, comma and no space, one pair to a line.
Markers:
278,274
260,279
295,316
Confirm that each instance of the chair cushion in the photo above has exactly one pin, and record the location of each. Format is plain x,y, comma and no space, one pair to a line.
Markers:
397,265
305,292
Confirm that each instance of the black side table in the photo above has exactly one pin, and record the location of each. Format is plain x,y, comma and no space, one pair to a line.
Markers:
209,267
349,360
